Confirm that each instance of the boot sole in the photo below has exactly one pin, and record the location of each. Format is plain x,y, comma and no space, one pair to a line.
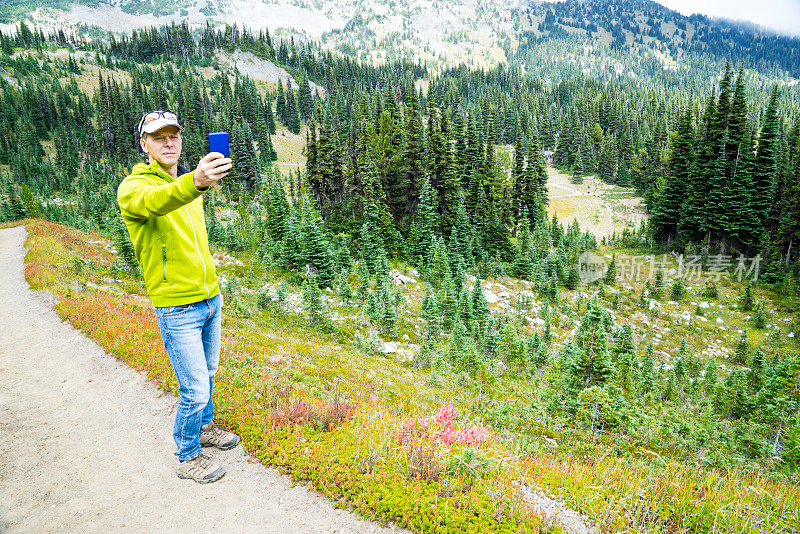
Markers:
213,478
221,447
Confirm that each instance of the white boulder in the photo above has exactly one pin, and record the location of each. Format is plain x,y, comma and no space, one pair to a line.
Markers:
389,347
490,296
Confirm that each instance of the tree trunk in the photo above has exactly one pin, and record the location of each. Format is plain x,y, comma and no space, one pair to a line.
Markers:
789,252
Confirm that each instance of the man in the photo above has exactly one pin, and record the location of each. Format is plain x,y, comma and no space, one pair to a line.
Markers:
162,207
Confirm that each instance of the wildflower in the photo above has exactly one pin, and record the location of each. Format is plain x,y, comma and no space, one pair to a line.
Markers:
445,416
476,435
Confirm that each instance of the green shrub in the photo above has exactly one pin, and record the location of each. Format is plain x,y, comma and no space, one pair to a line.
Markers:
678,290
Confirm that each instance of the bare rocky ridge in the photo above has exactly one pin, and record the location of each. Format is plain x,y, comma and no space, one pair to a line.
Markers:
261,69
86,441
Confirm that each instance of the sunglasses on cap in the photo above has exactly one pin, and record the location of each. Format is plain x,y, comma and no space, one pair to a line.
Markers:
168,116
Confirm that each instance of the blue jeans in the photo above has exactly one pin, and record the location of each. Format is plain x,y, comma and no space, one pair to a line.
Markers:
191,334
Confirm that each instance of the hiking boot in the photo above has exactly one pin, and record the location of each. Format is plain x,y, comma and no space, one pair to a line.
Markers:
212,435
200,469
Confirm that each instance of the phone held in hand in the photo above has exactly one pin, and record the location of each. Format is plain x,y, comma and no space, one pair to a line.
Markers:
218,142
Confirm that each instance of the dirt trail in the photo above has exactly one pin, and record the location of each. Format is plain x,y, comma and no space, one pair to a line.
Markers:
86,445
599,208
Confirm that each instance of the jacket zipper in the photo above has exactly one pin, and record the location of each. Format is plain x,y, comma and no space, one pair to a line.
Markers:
197,247
164,257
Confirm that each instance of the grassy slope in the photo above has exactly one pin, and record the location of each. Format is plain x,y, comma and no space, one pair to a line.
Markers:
274,368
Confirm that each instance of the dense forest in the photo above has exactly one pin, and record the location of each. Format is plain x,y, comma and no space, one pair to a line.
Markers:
376,139
451,180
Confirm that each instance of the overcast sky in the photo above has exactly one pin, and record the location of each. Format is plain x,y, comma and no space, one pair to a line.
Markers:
782,15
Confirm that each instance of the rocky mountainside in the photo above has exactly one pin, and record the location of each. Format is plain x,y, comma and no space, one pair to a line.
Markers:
446,32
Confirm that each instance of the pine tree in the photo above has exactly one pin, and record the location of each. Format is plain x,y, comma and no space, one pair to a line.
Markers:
536,197
431,312
747,301
607,162
647,377
658,288
291,114
678,290
447,300
741,350
710,377
413,156
610,278
766,160
623,174
694,223
439,264
313,303
627,372
424,238
281,103
518,169
523,264
759,318
591,363
573,279
317,251
305,102
124,246
667,212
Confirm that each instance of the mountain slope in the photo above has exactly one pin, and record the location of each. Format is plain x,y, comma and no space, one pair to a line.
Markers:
444,32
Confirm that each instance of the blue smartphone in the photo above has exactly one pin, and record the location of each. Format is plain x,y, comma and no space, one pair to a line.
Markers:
218,142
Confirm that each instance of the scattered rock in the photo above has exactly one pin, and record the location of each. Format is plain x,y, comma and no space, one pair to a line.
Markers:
553,512
720,321
400,279
705,305
405,355
490,296
389,347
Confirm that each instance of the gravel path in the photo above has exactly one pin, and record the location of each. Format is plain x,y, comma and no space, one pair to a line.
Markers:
87,447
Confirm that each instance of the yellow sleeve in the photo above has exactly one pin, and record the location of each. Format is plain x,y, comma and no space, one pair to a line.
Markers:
140,199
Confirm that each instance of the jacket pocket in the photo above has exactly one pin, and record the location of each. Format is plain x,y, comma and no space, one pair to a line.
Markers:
164,262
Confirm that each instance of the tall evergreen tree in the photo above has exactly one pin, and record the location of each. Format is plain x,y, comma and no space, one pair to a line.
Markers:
766,162
667,213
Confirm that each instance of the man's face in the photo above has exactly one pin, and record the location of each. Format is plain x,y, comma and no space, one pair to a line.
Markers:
163,146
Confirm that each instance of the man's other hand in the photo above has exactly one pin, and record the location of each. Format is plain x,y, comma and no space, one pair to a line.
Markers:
211,169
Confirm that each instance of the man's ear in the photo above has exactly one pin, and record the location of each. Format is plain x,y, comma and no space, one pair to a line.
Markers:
143,145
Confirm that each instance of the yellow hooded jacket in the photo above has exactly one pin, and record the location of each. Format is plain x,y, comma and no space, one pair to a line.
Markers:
167,226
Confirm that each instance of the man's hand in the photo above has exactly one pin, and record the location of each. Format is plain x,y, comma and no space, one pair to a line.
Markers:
211,169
